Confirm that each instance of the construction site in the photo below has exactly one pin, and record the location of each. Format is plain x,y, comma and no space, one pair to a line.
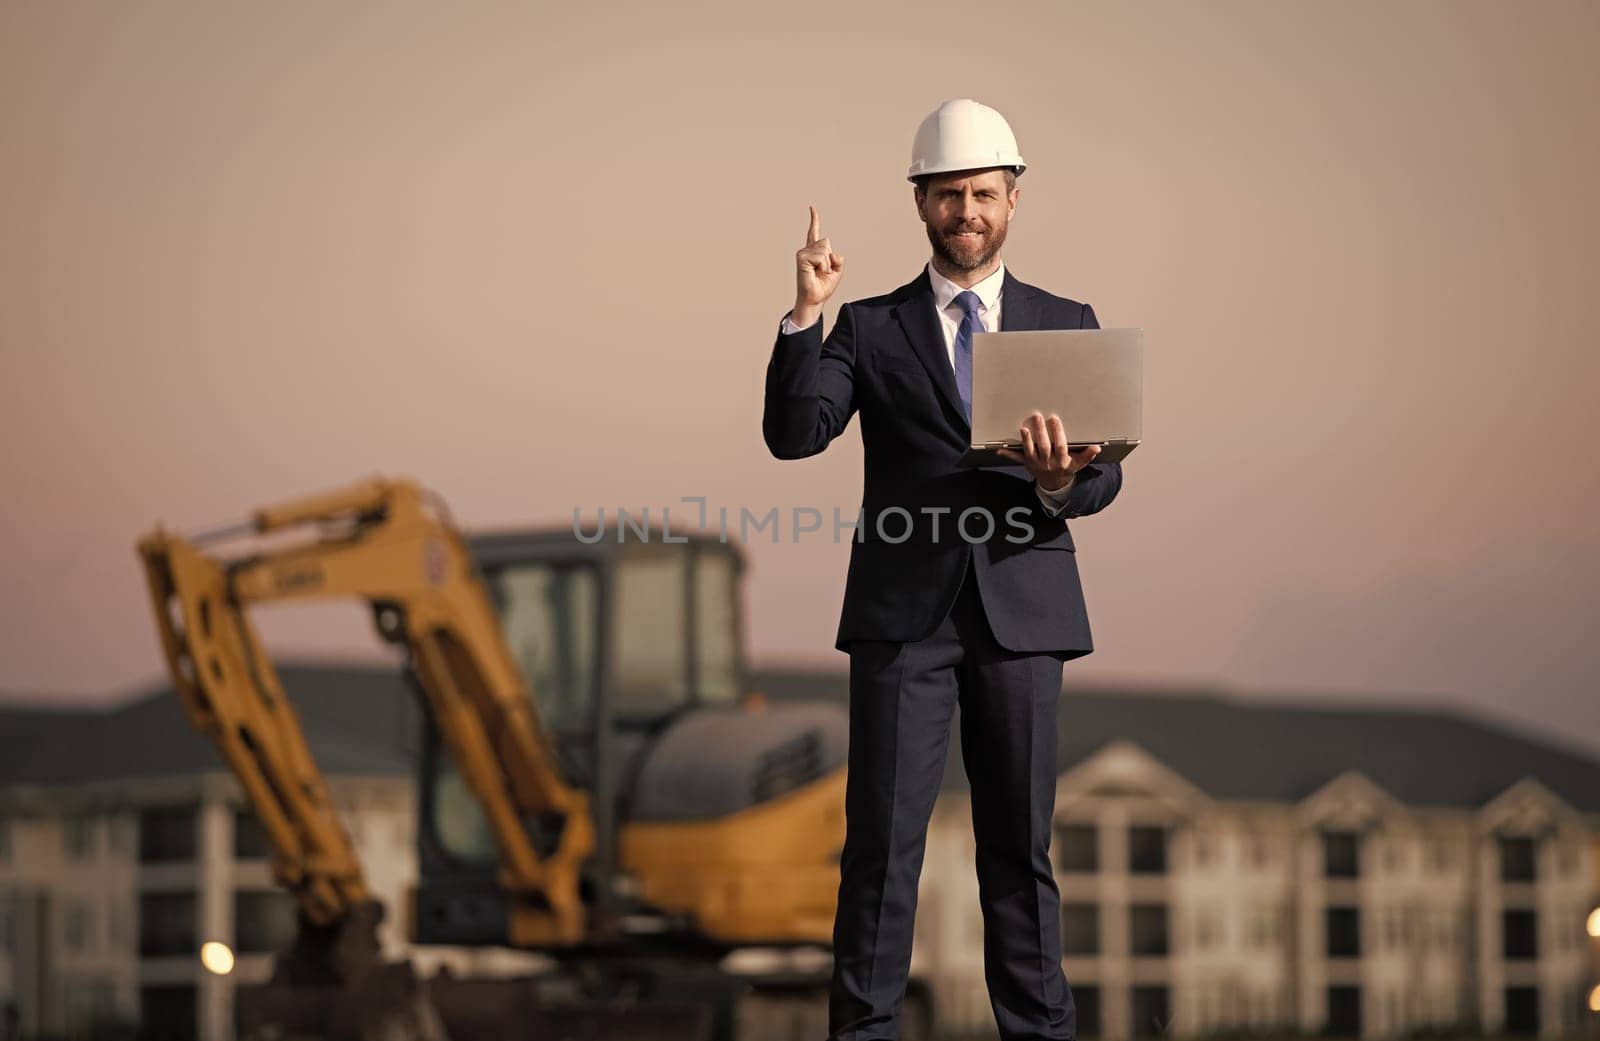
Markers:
477,563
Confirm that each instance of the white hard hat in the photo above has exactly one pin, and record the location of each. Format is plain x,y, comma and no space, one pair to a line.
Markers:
963,135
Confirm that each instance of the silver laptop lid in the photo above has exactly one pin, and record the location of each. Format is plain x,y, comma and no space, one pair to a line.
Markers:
1091,378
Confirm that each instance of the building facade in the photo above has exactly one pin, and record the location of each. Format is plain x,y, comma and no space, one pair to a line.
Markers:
107,892
1226,869
1347,913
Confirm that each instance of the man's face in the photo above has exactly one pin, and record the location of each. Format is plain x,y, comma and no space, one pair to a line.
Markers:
967,213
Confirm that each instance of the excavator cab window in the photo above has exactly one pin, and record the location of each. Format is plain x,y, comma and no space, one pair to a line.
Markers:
550,616
651,672
657,623
716,626
674,618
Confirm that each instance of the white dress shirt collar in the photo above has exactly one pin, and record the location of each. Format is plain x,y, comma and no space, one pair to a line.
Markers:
945,291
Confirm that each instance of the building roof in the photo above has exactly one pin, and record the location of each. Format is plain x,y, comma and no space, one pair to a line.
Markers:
1279,751
363,720
358,720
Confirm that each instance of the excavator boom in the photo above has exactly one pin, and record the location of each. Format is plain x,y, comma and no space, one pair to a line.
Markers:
383,541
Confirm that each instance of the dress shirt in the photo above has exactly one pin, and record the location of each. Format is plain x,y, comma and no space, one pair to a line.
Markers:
989,303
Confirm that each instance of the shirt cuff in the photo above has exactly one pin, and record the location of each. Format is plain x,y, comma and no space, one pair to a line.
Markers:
788,328
1056,501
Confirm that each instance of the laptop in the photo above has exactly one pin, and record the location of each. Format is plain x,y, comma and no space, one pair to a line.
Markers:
1092,378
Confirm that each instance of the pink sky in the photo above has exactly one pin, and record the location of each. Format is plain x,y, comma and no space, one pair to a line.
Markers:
535,260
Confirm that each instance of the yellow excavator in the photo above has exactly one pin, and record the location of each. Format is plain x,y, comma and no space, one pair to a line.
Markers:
595,782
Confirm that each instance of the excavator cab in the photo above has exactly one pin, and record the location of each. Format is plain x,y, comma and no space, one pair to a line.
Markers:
616,641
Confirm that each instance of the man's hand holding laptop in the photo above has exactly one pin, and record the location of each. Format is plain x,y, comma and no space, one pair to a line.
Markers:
1044,452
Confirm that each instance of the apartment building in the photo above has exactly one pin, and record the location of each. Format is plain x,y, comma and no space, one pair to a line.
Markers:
1226,867
1230,869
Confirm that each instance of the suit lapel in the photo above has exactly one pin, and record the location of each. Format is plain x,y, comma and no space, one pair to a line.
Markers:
1018,312
921,326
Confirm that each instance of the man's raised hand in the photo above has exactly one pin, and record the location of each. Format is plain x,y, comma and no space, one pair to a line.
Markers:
817,272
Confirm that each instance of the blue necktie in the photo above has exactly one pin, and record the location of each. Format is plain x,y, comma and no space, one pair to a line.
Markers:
967,300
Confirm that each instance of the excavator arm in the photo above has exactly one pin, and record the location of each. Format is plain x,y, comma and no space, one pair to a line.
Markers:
385,541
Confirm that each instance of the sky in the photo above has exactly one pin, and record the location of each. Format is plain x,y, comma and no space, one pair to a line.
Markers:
534,258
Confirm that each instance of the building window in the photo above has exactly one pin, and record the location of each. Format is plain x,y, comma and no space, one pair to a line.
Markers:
1344,1012
263,921
77,836
167,924
119,835
1151,1015
89,1002
77,927
1078,847
1260,1008
1341,854
1516,859
1522,1011
1344,932
120,922
1086,1006
1264,923
1080,929
1519,934
250,840
167,1013
1147,849
1149,929
167,833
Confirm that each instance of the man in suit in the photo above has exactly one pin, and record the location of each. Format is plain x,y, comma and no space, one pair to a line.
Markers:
962,587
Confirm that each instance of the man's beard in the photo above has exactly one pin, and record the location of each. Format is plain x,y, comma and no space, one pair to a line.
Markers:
966,255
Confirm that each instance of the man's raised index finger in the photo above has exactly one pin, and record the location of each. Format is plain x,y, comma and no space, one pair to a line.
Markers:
814,236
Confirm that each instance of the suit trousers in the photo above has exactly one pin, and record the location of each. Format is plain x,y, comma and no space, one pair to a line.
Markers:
903,697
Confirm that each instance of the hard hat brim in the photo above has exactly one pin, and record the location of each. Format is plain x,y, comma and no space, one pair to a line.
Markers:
958,166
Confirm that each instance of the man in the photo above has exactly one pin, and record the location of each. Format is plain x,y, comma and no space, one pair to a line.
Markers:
962,588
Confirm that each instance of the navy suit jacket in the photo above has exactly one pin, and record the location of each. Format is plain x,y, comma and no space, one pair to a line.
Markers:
886,359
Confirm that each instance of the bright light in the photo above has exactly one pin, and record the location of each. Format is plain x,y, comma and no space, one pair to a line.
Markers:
216,957
1594,1000
1594,922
